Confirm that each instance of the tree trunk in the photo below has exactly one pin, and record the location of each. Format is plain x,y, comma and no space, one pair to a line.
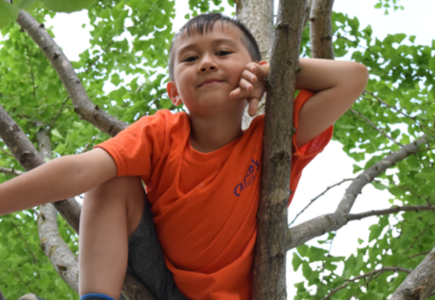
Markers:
270,258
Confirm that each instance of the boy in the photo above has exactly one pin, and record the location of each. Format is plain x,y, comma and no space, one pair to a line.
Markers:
200,169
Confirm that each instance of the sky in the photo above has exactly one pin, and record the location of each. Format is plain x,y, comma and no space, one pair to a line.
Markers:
331,166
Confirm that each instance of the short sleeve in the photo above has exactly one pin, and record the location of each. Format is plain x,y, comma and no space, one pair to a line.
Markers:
305,154
137,148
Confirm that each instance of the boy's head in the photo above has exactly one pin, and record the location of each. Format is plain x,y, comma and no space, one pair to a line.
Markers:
204,23
207,59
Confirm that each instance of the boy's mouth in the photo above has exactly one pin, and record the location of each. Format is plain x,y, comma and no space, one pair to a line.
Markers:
210,81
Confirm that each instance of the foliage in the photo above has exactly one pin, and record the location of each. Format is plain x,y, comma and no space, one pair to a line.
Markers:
402,76
124,72
24,267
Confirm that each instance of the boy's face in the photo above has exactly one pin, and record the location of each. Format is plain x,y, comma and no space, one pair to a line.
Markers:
207,67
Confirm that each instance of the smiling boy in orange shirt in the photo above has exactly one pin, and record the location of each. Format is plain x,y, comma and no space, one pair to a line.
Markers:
201,170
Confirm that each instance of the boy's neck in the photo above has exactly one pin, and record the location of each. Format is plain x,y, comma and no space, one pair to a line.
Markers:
213,132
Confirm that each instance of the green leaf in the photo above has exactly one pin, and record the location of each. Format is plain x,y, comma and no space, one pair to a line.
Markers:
8,13
296,262
68,5
56,133
432,64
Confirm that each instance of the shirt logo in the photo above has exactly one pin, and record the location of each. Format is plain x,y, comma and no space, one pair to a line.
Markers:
248,179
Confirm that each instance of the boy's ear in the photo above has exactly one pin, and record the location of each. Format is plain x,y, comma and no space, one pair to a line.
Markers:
173,93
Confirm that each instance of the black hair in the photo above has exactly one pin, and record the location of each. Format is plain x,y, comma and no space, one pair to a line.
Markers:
205,22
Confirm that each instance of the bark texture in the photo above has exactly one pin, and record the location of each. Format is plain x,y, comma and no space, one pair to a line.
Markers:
82,105
420,283
321,29
308,230
257,15
270,259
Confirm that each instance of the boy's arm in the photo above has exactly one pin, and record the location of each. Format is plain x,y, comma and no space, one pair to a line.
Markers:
337,85
58,179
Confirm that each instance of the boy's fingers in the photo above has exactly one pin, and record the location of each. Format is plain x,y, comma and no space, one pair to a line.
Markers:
247,75
253,106
236,93
245,85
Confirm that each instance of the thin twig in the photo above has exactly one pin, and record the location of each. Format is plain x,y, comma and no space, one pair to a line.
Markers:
417,237
369,274
357,44
418,254
317,197
87,145
416,208
399,111
427,199
32,75
25,242
98,57
58,114
6,152
375,127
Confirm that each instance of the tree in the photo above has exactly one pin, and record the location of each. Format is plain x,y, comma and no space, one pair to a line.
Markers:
392,123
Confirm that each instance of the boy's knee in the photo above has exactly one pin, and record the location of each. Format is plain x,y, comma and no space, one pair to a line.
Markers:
118,190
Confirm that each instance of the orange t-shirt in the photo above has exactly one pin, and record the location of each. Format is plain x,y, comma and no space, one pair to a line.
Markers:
204,204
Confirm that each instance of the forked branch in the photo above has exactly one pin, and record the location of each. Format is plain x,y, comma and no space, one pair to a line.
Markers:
306,231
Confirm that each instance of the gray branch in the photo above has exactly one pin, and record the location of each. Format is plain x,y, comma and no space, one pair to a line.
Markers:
82,104
269,262
420,283
10,171
26,154
308,230
321,29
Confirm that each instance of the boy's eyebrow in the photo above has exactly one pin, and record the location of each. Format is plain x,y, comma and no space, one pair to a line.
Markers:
215,42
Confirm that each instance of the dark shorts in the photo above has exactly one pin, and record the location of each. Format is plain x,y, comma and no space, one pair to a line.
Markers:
146,260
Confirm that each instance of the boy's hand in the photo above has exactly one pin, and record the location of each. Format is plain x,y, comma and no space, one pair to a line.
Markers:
252,84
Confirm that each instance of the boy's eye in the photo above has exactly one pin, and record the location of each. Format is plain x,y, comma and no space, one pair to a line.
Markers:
223,53
190,59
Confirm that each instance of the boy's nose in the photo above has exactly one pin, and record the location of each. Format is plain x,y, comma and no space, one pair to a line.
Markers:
207,64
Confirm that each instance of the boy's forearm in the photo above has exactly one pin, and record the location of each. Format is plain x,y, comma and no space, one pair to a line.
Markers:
322,74
61,178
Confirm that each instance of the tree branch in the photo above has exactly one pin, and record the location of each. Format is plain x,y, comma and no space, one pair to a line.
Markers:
392,210
321,29
23,149
369,274
54,247
26,154
375,127
269,263
82,104
317,197
420,283
306,231
10,171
